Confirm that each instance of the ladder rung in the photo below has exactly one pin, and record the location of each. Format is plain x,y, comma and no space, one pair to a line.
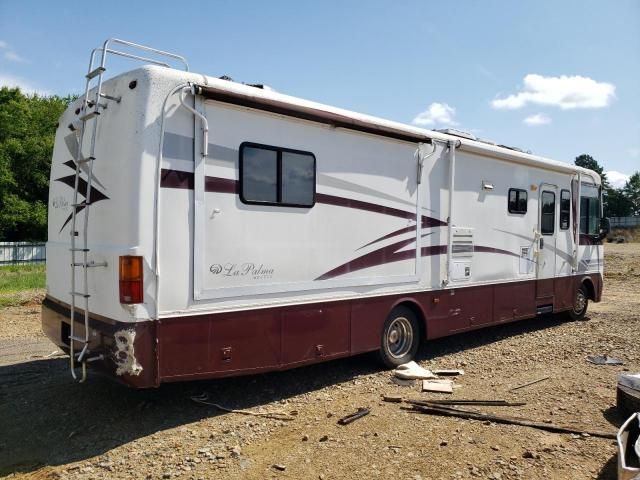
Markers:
90,264
83,204
86,160
91,104
109,97
80,294
78,339
94,359
89,116
95,73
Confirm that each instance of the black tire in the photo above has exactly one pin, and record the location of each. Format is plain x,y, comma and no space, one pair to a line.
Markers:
580,304
400,337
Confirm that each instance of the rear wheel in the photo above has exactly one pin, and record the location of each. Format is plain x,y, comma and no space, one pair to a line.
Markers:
580,304
400,337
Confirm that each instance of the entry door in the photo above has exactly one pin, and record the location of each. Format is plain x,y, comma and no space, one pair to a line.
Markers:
548,229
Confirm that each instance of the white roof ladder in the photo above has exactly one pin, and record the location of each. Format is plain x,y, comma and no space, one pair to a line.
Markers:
91,109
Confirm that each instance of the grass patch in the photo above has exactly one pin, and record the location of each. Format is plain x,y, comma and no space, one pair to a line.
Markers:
20,284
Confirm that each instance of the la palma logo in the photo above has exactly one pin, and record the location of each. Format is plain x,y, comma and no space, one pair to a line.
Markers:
96,194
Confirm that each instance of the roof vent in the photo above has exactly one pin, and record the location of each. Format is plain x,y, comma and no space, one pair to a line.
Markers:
515,149
457,133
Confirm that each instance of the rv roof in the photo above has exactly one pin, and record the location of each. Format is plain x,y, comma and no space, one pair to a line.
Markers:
219,89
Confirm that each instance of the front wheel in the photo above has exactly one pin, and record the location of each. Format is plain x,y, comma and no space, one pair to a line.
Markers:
400,337
580,304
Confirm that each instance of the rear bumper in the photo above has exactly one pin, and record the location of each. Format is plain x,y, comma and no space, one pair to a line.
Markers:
129,349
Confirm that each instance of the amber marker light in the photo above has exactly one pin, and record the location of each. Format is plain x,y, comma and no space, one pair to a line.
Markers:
131,279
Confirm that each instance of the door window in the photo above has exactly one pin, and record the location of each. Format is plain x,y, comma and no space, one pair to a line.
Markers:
548,213
565,209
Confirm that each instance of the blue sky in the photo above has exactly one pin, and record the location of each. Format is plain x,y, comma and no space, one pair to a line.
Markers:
559,78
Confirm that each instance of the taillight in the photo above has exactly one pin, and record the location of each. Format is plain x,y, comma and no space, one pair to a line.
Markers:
131,279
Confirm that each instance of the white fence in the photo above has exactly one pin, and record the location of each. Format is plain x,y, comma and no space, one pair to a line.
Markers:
22,252
625,222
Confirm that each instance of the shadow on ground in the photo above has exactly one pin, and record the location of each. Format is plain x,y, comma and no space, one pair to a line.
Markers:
46,419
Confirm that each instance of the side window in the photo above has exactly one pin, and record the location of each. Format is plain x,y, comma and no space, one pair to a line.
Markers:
277,176
565,209
548,213
517,201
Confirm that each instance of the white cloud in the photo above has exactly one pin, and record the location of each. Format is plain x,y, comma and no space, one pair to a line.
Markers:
436,114
14,57
617,179
563,92
24,85
3,44
537,119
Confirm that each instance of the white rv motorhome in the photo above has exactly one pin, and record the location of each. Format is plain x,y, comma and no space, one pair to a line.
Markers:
203,228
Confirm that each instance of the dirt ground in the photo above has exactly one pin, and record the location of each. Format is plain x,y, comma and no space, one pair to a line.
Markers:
51,428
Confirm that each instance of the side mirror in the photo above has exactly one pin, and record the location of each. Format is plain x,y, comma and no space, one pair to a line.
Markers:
605,227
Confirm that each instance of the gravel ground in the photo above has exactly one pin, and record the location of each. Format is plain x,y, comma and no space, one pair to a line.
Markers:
51,428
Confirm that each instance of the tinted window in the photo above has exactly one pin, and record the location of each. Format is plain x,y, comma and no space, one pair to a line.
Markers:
277,176
259,175
589,215
565,209
298,177
548,214
517,200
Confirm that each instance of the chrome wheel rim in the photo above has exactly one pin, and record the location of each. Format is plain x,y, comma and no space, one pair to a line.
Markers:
580,303
399,337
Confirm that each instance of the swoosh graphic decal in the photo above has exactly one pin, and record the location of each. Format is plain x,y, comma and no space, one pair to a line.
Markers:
96,195
185,180
390,254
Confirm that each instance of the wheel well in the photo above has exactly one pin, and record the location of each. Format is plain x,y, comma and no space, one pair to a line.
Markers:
591,291
417,311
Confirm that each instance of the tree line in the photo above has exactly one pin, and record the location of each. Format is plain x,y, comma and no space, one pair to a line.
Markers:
27,128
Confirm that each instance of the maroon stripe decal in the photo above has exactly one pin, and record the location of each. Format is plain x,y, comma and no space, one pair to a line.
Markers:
401,231
220,185
380,256
390,254
360,205
178,179
412,228
494,250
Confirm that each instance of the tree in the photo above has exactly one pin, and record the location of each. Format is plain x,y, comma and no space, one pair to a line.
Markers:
616,203
632,192
587,161
27,129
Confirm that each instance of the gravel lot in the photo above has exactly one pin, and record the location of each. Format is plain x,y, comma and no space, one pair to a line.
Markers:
51,428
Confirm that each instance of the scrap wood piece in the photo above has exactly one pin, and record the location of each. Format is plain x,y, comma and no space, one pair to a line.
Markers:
361,412
392,398
470,415
449,372
273,415
489,403
438,386
529,383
